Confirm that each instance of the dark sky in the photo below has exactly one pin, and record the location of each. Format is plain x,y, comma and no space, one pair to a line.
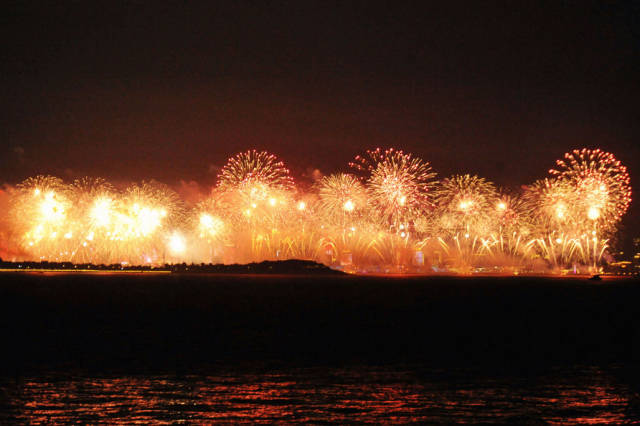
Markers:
143,90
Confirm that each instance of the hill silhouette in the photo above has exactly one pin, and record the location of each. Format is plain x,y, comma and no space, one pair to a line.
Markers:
289,267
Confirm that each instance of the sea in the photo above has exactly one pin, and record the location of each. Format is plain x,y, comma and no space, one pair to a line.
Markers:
197,348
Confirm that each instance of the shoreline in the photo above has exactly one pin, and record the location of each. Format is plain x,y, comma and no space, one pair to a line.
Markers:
605,277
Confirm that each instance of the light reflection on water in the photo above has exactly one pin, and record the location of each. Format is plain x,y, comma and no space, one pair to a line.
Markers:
383,394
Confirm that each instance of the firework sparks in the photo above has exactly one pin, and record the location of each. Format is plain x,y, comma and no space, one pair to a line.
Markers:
466,204
391,212
341,193
401,186
177,244
257,173
601,183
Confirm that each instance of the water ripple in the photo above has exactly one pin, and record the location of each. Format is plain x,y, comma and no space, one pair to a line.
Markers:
327,395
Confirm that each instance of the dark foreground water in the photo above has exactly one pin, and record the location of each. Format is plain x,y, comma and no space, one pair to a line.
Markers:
578,395
135,348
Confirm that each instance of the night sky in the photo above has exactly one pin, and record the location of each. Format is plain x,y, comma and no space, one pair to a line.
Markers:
144,90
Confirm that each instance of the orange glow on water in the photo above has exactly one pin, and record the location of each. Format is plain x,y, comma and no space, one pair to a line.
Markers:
319,395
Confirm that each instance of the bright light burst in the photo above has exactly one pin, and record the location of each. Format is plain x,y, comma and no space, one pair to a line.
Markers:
101,212
210,226
146,209
40,211
177,244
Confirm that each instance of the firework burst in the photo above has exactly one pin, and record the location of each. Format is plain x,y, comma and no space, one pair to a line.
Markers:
513,214
256,173
211,226
341,194
601,183
365,164
40,215
466,204
554,201
401,187
146,209
512,229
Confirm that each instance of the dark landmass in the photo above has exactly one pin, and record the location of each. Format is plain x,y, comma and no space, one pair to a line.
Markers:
289,267
189,322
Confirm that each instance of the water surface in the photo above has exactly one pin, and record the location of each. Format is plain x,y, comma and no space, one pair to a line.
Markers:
580,395
172,348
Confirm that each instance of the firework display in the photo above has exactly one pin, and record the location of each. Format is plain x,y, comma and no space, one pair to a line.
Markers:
390,215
